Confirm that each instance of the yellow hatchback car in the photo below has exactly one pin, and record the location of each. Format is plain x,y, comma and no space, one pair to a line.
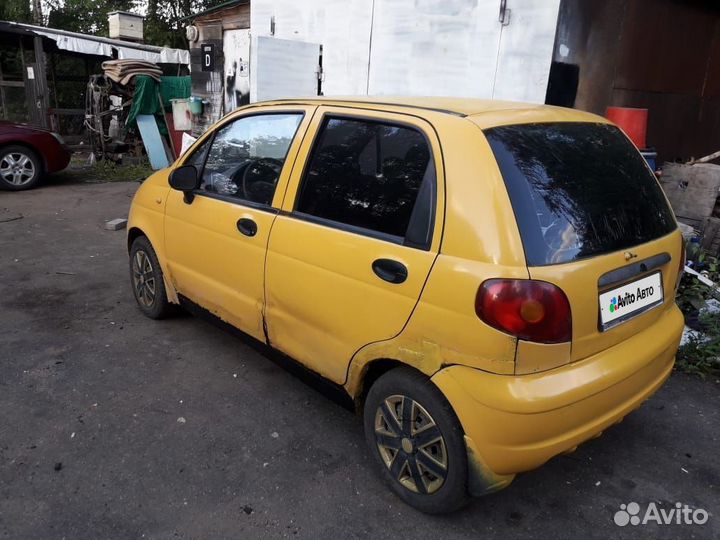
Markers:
492,283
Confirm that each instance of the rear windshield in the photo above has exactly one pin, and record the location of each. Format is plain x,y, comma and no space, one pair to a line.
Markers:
578,190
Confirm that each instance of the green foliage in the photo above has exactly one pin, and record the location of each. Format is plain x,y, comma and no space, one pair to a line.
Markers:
701,354
103,171
162,24
85,16
109,171
692,294
16,11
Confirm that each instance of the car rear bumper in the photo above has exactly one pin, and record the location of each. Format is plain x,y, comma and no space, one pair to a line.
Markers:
517,423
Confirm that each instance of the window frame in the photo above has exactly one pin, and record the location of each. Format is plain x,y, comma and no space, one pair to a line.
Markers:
211,138
430,199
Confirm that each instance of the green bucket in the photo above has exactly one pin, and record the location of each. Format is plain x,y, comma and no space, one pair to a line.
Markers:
196,105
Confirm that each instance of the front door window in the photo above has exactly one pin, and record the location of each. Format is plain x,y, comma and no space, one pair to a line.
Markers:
247,156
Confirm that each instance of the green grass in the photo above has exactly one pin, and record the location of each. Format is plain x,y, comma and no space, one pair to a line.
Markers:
700,355
103,172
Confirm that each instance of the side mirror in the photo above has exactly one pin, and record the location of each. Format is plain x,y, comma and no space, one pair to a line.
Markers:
185,179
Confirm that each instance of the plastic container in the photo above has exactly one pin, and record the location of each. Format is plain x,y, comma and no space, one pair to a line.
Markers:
632,121
651,158
196,105
182,118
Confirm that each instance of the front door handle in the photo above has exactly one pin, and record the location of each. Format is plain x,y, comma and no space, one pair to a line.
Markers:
247,226
389,270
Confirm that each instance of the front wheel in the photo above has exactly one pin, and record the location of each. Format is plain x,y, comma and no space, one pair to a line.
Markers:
147,280
417,441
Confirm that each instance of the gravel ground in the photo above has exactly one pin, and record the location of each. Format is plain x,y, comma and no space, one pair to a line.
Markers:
115,426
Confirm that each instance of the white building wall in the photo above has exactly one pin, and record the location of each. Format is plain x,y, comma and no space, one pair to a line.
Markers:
421,47
434,47
342,27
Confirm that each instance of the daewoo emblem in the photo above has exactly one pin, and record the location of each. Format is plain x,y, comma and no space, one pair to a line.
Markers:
629,255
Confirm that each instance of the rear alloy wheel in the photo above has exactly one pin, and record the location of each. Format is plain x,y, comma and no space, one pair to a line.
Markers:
147,280
20,168
414,434
410,444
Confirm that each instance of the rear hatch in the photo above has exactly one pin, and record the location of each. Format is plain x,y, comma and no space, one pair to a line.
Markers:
593,221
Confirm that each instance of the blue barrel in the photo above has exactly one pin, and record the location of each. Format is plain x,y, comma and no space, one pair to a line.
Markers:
651,158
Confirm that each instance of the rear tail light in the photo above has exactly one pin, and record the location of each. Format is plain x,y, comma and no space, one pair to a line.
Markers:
681,265
531,310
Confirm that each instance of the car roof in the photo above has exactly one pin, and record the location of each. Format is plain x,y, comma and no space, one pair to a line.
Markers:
483,112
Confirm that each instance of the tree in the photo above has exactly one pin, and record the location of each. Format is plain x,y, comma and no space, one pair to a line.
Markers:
162,24
15,11
84,16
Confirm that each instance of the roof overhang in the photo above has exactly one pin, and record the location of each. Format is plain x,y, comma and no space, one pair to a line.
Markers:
101,46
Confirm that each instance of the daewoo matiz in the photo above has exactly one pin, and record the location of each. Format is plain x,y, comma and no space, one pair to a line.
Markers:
491,283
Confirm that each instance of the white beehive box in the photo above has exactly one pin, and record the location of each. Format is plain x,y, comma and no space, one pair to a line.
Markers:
125,25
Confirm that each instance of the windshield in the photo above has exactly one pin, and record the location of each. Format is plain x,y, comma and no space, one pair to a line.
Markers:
578,190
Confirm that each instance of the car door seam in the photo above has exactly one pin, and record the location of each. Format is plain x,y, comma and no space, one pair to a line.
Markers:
263,311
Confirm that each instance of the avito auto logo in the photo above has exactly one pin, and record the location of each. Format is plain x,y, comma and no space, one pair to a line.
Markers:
616,302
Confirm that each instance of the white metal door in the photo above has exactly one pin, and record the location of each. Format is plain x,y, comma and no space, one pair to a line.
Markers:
283,68
236,52
525,51
434,47
472,48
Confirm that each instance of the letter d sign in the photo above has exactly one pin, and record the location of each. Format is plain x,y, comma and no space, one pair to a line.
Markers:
208,57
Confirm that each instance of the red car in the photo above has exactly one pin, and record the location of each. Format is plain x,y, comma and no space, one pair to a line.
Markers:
27,153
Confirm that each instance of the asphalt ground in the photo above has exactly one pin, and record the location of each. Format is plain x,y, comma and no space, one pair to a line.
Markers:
116,426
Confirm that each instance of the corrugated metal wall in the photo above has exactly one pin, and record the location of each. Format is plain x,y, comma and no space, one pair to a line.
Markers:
663,55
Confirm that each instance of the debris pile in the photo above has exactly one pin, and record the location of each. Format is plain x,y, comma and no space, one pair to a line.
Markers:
122,71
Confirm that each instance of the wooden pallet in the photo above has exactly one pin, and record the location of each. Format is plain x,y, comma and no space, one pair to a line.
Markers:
711,236
692,190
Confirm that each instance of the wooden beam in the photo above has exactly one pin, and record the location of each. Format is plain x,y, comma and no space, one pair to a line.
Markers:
68,112
41,85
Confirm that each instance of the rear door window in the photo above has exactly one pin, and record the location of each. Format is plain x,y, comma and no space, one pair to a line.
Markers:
373,178
578,190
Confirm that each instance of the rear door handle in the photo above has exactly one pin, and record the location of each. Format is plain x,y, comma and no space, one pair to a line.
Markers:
389,270
247,226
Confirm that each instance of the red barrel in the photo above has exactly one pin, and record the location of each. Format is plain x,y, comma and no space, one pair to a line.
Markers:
632,121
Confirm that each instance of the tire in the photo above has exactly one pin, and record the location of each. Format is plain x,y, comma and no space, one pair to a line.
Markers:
411,457
20,168
146,278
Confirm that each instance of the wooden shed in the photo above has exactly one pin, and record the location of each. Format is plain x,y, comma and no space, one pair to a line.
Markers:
44,73
219,41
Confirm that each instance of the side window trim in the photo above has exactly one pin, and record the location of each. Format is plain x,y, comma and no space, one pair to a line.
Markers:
362,231
429,197
234,200
209,141
238,202
419,233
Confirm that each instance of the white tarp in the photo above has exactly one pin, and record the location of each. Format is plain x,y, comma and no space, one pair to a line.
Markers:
124,52
165,56
84,46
